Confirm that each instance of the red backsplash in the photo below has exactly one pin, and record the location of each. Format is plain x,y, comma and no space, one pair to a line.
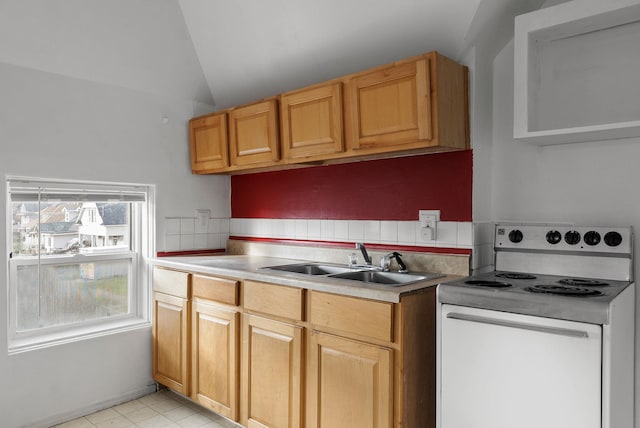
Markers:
386,189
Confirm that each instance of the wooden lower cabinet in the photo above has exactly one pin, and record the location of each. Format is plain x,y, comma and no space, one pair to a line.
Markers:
214,349
350,383
170,333
416,103
271,356
359,376
272,370
170,330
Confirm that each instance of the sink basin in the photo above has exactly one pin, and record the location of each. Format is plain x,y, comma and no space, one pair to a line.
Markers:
386,278
311,268
363,274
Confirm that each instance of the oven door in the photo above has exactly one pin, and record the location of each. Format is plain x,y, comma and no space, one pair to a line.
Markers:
503,370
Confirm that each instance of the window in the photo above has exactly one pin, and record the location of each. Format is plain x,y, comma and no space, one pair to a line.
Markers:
76,259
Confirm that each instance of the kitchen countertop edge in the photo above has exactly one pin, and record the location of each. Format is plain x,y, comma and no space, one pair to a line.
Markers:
250,268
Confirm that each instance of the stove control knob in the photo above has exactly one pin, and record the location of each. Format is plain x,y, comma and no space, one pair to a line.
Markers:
515,236
612,239
553,237
592,237
572,237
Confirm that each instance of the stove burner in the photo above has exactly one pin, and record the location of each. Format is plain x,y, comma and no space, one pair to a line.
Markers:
515,275
561,290
582,282
492,284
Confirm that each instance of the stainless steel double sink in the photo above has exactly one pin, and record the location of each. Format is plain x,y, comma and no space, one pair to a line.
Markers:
363,274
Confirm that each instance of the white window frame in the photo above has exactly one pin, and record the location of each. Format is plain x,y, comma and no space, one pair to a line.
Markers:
142,225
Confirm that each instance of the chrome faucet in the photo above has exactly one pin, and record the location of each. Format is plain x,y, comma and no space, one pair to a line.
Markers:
385,262
365,255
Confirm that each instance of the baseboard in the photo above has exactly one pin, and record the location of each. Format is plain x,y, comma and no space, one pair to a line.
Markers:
96,407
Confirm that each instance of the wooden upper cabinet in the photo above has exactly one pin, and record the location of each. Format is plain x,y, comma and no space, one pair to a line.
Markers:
411,104
390,106
254,135
209,143
312,122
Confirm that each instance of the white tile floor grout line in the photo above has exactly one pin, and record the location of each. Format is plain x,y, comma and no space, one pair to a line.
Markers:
162,409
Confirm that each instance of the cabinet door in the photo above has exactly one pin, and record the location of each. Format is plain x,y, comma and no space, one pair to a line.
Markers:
350,383
271,373
209,143
253,134
215,338
312,122
171,342
390,107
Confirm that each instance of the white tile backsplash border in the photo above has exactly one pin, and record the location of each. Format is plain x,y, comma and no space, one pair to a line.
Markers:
450,234
483,254
181,234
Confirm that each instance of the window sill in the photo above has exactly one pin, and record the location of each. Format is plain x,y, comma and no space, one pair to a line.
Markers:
17,346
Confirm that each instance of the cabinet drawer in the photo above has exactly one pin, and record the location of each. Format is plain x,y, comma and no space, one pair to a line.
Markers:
275,300
216,289
171,282
353,315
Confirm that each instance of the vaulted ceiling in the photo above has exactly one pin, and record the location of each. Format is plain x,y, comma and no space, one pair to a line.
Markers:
224,53
142,45
251,49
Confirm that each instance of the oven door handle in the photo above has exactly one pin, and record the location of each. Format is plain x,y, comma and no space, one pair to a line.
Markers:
520,325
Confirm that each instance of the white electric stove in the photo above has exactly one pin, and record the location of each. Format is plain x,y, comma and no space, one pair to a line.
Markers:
546,340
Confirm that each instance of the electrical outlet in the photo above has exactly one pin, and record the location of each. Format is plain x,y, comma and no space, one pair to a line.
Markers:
428,224
202,220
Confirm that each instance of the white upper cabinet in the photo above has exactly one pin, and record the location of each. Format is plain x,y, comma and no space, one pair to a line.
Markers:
577,72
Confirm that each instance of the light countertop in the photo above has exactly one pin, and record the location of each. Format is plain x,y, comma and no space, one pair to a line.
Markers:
245,267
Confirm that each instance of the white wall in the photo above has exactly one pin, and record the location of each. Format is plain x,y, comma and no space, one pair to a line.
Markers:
256,49
96,90
61,127
591,183
104,122
138,44
490,30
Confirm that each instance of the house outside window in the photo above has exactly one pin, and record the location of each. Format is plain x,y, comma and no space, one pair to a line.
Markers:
77,259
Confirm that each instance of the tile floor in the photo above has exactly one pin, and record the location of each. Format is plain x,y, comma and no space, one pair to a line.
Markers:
163,409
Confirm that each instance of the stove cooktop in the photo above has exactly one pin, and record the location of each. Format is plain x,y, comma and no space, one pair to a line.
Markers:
573,299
